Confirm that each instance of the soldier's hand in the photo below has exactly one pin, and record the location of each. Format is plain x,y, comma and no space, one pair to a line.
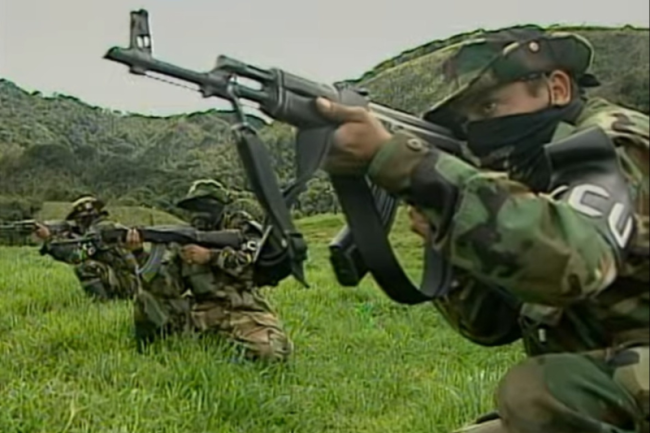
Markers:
357,139
133,240
419,223
194,254
42,232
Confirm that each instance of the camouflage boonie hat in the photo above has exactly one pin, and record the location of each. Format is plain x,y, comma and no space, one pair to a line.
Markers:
204,188
488,59
85,205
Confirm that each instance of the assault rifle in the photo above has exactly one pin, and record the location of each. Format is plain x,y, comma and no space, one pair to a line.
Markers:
363,244
27,227
162,236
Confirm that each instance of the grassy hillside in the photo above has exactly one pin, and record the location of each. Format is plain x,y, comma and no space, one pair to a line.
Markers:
55,148
362,363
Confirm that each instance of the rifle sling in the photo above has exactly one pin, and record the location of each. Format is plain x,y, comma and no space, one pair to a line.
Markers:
369,215
359,205
372,242
263,181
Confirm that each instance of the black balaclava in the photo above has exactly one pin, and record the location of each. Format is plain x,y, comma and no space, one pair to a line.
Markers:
207,213
85,219
515,143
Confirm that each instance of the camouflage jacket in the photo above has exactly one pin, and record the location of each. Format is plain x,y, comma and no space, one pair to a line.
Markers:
229,274
551,264
113,255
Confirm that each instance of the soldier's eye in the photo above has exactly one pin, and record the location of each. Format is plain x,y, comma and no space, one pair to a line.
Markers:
488,108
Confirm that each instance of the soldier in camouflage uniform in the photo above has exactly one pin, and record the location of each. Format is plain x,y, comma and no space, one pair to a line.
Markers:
108,273
211,291
565,269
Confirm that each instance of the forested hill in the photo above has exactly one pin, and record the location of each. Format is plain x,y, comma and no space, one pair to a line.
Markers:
56,148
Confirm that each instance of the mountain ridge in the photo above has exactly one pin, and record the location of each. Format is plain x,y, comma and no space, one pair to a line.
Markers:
53,148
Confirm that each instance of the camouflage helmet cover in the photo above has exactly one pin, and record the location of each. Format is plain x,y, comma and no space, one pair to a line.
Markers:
488,59
204,188
85,205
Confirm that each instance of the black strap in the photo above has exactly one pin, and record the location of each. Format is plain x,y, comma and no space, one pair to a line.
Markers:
257,164
358,199
309,156
369,226
372,241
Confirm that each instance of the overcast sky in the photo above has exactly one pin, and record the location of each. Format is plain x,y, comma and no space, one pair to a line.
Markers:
57,45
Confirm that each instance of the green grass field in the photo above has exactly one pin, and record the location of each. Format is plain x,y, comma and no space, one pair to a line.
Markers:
362,363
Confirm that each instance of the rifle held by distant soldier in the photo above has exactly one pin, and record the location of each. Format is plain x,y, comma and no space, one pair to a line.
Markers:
28,227
161,237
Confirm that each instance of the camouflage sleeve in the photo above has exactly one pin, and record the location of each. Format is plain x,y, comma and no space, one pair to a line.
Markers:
68,253
496,228
236,262
471,308
105,224
237,220
121,256
631,130
140,255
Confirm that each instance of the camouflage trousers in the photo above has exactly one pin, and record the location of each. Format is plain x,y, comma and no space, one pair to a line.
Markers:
572,393
99,280
163,307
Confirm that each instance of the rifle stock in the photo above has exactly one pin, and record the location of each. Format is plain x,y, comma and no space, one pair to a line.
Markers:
362,245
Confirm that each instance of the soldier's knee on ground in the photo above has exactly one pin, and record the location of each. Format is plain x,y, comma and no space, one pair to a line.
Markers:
88,269
262,337
269,345
93,277
154,316
561,393
145,329
95,289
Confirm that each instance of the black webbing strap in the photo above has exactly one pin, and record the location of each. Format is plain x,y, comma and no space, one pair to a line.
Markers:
359,205
372,241
263,181
310,151
364,206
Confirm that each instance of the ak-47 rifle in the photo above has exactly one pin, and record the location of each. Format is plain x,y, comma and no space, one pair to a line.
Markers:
27,227
162,236
363,245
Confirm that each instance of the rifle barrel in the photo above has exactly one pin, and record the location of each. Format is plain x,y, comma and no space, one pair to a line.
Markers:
214,83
